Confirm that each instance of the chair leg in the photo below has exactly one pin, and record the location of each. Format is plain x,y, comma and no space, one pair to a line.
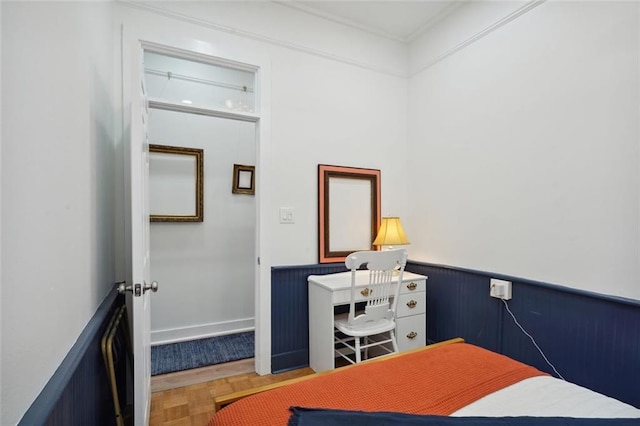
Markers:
358,357
366,349
394,343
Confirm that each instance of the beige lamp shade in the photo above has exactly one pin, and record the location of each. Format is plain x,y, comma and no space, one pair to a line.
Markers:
390,233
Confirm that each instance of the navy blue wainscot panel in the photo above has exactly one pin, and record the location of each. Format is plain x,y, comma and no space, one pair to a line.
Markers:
591,339
78,393
290,314
458,305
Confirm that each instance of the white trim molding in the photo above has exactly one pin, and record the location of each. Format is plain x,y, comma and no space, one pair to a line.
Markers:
201,331
209,112
525,8
157,9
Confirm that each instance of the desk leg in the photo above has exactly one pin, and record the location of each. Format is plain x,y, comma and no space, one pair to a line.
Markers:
321,357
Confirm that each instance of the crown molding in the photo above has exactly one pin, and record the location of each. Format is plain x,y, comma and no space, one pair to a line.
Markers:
156,9
297,5
338,19
434,20
480,34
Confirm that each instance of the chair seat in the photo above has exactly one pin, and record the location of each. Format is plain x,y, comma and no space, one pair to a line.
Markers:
373,327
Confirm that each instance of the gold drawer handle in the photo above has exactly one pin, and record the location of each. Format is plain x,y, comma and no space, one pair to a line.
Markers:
366,292
412,304
412,286
412,335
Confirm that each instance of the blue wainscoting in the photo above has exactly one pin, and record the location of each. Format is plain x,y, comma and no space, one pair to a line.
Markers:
78,393
290,314
592,339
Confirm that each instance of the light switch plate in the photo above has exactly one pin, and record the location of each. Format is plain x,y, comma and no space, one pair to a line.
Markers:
287,215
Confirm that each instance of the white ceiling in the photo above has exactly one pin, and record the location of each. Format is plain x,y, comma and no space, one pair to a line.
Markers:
396,19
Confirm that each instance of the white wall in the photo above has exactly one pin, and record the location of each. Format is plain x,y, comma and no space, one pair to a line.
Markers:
524,149
327,112
466,24
323,109
206,269
282,25
537,116
57,186
0,210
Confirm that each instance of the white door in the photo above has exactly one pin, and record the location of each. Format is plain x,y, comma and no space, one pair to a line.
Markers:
140,268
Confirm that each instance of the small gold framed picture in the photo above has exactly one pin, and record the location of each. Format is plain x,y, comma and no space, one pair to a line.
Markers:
243,179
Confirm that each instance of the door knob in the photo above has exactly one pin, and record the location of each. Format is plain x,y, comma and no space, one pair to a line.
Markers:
123,287
153,287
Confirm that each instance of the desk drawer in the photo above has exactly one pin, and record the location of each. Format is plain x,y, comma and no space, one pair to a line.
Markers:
343,297
413,286
411,304
411,332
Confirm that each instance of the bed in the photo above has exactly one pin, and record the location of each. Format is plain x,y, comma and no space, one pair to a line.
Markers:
455,379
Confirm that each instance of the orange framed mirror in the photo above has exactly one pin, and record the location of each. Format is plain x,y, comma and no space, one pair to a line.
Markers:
348,211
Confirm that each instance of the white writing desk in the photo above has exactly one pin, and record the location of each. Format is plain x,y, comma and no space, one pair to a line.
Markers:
328,291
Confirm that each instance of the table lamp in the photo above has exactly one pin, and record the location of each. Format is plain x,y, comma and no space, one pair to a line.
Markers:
390,233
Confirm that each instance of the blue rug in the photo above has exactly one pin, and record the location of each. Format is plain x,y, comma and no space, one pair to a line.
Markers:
201,353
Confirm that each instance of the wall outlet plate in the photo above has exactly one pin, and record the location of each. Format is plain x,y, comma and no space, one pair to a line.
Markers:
500,289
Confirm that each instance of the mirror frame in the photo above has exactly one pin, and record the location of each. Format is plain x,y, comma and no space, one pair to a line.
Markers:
325,175
198,153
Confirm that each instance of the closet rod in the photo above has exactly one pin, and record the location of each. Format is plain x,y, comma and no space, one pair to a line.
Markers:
171,75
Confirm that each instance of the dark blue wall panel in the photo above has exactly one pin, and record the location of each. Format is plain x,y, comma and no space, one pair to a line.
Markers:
463,290
290,314
78,394
592,340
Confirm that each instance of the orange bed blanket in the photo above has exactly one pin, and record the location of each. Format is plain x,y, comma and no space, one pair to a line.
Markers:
435,381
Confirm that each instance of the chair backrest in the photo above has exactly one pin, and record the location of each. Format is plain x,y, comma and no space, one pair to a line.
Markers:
382,267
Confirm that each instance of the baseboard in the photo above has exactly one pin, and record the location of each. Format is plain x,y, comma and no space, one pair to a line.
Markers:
293,360
201,331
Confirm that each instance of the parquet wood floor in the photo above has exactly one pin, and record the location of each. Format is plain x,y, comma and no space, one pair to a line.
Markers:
192,405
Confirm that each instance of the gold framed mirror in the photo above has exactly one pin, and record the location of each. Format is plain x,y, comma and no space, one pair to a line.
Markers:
176,176
348,211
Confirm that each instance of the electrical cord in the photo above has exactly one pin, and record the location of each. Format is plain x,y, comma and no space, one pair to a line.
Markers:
506,305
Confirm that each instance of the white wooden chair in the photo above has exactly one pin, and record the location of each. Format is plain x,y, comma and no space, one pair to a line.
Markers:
356,332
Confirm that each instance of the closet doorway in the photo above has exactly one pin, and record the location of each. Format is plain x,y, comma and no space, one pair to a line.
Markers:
207,268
